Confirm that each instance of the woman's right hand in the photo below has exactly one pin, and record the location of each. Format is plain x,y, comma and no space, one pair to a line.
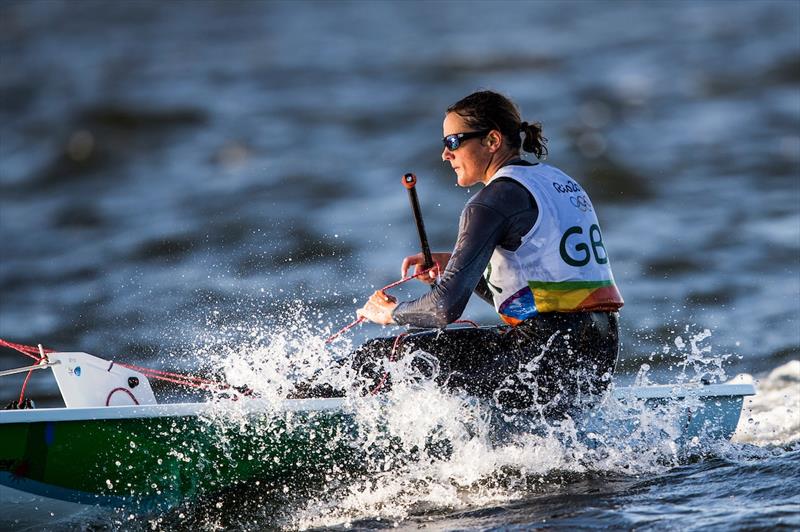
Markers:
440,261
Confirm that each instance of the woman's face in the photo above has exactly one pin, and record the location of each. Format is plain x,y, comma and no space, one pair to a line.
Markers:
471,159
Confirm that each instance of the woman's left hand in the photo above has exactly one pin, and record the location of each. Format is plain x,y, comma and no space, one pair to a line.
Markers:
378,308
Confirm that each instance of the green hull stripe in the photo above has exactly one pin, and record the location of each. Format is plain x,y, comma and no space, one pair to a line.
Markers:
569,285
165,461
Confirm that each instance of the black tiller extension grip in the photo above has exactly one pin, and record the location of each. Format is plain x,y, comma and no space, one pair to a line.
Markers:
410,181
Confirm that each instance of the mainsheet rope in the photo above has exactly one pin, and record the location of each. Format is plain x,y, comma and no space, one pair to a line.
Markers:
39,355
361,320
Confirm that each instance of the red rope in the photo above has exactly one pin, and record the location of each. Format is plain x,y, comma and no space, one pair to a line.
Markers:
392,355
112,392
155,373
27,350
360,320
35,353
187,380
392,358
184,379
175,378
25,385
344,329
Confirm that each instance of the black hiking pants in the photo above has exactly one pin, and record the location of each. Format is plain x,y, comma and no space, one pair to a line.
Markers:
551,362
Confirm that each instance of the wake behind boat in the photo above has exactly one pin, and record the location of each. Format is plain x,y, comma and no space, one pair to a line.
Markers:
114,445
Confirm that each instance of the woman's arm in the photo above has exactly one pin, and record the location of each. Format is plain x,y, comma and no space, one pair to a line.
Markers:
499,215
481,228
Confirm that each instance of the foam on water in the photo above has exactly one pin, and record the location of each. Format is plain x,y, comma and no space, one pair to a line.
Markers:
772,416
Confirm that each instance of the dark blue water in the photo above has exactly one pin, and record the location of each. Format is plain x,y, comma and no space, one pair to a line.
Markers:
178,174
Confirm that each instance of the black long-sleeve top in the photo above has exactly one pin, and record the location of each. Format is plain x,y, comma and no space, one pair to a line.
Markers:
498,215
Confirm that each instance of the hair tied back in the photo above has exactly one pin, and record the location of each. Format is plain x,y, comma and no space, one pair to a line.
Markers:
534,141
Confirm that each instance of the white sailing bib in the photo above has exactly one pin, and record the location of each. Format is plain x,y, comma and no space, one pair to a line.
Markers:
562,264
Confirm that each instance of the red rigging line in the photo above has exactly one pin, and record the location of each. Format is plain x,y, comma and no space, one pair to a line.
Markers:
21,399
27,350
392,358
352,324
115,390
39,354
155,373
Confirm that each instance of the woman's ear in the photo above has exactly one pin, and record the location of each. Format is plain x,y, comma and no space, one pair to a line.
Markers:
494,140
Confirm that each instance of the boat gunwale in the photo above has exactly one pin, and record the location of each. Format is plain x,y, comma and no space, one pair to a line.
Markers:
682,391
123,412
326,405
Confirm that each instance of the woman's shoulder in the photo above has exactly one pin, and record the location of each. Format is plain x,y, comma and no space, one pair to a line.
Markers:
503,194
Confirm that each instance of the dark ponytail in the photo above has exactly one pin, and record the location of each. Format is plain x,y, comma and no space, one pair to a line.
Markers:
490,110
534,142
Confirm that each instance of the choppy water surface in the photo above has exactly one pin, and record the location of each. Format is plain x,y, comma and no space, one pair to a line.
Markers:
176,180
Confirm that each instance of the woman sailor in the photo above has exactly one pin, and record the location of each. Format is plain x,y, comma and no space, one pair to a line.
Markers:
529,243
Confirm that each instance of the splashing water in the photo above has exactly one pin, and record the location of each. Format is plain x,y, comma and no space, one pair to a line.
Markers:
700,359
490,456
694,361
419,448
271,359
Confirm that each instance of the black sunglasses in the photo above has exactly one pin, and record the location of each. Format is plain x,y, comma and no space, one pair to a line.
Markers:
452,142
